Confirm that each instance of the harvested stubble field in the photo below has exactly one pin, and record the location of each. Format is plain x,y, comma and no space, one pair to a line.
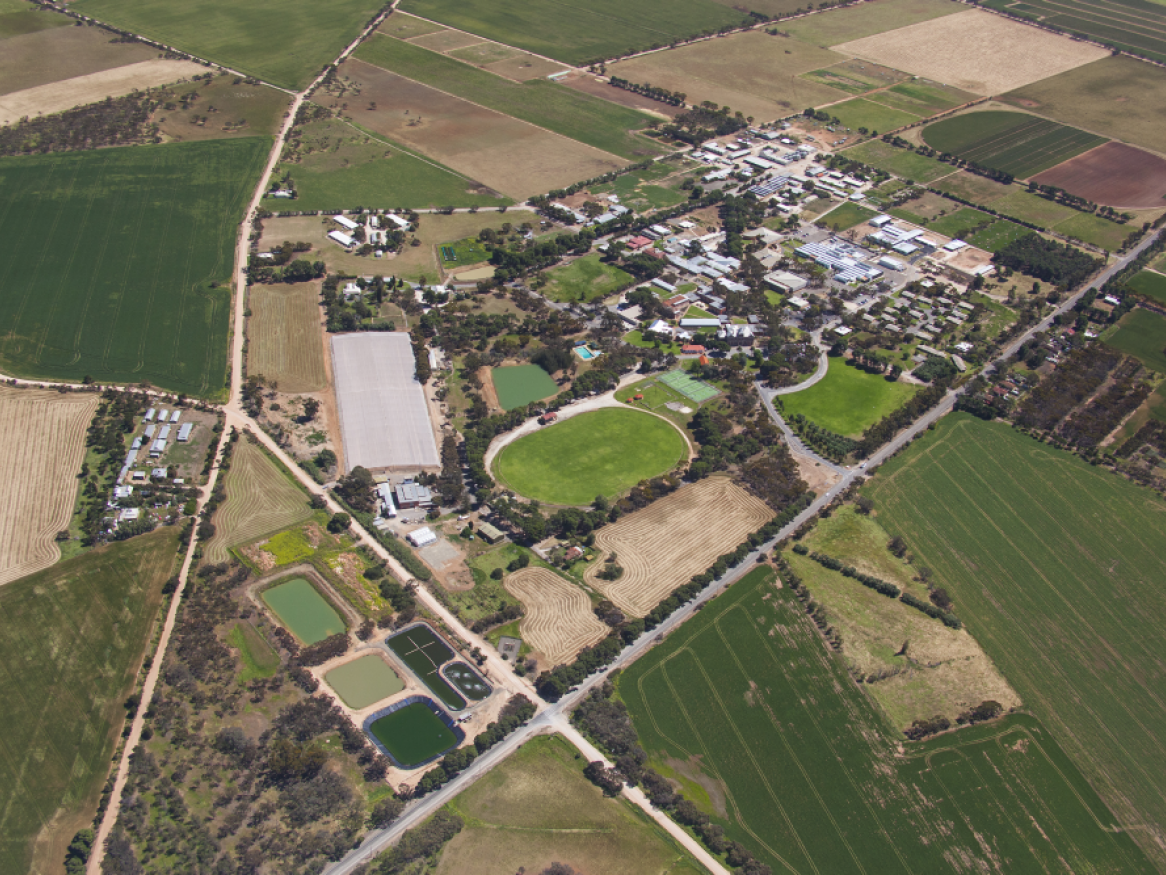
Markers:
674,538
753,73
261,499
975,51
746,698
1115,174
1055,567
285,42
834,26
118,261
63,53
509,155
42,443
284,341
71,640
559,621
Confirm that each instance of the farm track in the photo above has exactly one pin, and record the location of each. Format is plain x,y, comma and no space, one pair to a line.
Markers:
43,434
284,336
666,543
559,621
260,499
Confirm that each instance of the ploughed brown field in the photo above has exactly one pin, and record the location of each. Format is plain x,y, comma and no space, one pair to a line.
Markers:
1115,175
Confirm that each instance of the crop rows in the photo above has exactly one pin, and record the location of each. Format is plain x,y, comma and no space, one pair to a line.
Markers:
666,543
1140,29
1026,148
284,337
559,621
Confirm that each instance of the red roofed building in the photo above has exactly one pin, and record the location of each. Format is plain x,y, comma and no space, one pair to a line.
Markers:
692,349
639,242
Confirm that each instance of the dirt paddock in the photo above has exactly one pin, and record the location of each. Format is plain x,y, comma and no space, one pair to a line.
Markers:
1115,175
559,621
666,543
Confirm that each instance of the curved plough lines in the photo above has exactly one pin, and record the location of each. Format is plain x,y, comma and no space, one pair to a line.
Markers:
42,443
559,621
666,543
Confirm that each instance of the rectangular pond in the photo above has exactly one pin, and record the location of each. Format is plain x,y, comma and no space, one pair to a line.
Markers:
413,732
301,608
519,385
423,651
364,681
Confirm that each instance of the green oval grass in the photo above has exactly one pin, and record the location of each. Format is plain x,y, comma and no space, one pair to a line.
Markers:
605,452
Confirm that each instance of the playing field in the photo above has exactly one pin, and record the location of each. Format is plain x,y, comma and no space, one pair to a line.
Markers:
1129,25
579,34
604,452
413,735
847,400
661,546
261,500
1150,284
767,732
424,653
284,43
559,621
39,474
1142,334
1016,143
535,808
299,606
117,262
1055,567
519,385
584,279
688,386
847,215
71,640
284,336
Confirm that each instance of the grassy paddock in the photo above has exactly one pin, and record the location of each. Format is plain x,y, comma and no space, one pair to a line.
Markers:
1150,284
746,698
847,215
862,113
519,385
1051,563
118,262
605,452
584,279
71,640
1141,334
902,163
847,401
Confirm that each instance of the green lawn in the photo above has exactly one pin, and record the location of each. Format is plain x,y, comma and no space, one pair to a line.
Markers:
1150,284
284,42
960,222
997,235
118,262
599,123
1141,334
519,385
862,113
605,452
71,640
469,250
584,279
901,162
578,33
1055,567
847,215
636,338
847,401
746,700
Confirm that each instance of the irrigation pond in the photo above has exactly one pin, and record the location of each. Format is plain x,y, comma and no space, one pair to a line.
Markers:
301,608
412,732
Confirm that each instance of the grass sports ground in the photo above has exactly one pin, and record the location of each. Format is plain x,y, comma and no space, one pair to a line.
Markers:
413,734
763,728
847,400
1142,334
364,681
1054,568
584,279
536,808
420,648
301,608
1014,142
71,640
283,43
117,260
604,452
519,385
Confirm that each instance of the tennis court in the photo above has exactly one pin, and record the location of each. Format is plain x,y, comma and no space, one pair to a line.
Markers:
691,388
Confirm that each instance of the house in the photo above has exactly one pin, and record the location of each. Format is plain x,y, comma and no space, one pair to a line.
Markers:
639,242
159,473
489,533
574,553
548,418
129,515
351,290
411,494
157,448
423,537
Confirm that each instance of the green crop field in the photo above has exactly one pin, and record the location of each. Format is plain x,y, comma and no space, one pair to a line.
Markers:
599,123
922,98
901,162
1150,284
847,215
604,452
863,113
584,279
413,734
847,401
116,261
519,385
746,700
1141,334
1096,230
1013,142
1133,26
578,33
536,808
284,43
1055,568
71,640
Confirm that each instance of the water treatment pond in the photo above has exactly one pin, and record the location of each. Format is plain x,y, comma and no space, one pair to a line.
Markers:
305,612
423,651
413,734
364,681
468,682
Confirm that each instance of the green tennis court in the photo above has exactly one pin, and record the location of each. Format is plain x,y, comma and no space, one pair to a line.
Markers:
691,388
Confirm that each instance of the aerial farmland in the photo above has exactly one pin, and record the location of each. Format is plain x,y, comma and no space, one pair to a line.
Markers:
629,437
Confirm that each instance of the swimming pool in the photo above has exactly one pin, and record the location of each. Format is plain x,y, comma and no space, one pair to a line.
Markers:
584,353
